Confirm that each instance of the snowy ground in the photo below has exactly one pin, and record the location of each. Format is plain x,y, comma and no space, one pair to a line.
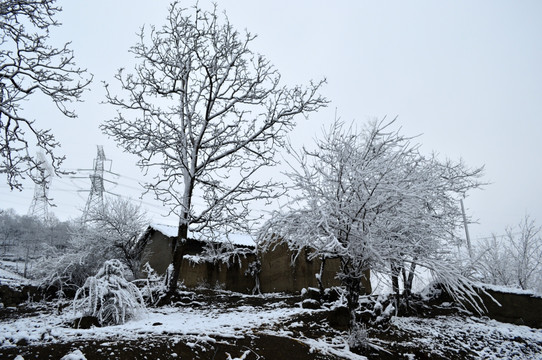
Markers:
218,325
470,337
195,324
9,272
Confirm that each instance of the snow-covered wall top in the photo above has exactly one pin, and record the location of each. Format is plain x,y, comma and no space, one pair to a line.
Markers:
235,239
509,290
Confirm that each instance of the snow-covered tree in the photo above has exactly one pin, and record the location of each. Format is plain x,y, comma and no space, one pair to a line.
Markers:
492,261
370,198
108,296
29,65
119,224
111,232
206,113
527,253
514,259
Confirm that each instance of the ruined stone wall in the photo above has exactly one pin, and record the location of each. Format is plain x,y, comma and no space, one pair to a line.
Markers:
279,274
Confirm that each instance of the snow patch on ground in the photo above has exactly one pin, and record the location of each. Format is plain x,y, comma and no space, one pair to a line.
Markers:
8,274
488,339
332,346
233,323
207,324
75,355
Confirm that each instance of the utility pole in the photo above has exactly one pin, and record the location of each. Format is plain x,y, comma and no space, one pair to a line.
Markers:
469,247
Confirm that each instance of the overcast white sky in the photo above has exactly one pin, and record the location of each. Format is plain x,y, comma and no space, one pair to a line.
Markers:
466,75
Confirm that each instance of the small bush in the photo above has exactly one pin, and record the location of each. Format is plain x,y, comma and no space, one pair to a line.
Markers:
153,285
358,339
108,296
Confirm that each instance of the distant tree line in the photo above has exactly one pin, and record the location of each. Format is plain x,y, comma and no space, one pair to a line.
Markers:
23,238
62,254
513,259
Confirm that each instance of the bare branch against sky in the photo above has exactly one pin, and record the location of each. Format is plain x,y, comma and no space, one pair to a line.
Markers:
465,75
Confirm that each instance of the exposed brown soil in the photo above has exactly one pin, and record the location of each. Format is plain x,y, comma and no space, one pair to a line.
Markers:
261,347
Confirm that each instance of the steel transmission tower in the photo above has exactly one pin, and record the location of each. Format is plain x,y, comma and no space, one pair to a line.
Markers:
39,208
96,196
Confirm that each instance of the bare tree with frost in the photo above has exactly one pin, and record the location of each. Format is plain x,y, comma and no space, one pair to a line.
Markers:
30,66
111,232
514,259
370,198
526,253
119,225
206,113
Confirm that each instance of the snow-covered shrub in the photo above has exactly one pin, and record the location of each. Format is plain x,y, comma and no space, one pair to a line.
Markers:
64,273
112,232
358,338
153,284
67,270
108,296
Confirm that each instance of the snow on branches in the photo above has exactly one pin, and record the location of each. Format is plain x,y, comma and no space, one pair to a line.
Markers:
372,199
30,65
206,112
108,296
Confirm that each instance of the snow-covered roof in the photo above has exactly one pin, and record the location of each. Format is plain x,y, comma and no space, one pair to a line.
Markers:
235,239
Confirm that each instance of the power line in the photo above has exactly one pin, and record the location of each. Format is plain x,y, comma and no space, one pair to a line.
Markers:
498,236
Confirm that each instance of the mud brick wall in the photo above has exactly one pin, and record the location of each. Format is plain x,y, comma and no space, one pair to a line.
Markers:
278,273
233,276
517,308
157,252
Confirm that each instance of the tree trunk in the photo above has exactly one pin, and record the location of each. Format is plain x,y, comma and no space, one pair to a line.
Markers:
178,253
178,247
395,272
352,284
26,259
353,288
320,274
409,280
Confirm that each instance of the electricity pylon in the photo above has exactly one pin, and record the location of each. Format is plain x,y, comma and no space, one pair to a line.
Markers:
39,208
96,196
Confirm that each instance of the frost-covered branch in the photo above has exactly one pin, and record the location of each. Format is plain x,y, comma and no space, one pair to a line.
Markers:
206,113
371,199
30,65
109,297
